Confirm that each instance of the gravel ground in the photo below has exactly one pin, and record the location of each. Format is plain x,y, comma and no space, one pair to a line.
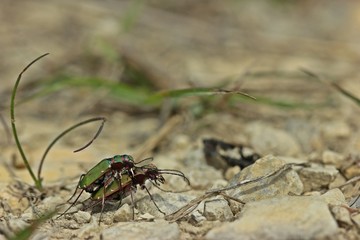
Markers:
303,132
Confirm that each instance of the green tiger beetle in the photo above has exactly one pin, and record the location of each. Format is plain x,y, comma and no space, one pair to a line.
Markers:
121,180
119,190
104,172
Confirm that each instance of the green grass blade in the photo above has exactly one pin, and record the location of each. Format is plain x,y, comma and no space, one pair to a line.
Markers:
26,233
13,126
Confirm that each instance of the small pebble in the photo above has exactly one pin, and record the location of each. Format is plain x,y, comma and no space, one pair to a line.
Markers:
123,214
217,209
334,197
333,158
82,217
317,176
147,217
231,172
342,216
196,218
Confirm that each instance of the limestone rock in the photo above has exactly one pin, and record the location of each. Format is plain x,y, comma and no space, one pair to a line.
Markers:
317,176
334,197
342,215
289,217
196,218
167,202
280,185
352,171
217,209
123,214
82,217
333,158
142,231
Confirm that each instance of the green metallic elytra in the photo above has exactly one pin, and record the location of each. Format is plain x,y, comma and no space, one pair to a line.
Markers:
88,181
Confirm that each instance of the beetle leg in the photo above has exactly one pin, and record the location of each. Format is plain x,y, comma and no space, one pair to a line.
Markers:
118,177
152,199
133,205
71,205
77,187
120,201
102,206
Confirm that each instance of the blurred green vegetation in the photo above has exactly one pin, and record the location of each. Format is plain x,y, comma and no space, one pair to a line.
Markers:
27,232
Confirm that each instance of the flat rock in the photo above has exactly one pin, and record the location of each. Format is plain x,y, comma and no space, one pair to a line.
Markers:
282,184
142,230
288,217
356,219
49,204
167,202
123,214
352,171
334,197
88,231
333,158
82,217
196,218
317,176
342,215
217,209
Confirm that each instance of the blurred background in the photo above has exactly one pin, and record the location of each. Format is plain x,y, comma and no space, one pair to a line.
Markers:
124,59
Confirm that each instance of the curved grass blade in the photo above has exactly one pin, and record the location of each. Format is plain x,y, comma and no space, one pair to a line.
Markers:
13,126
67,131
96,134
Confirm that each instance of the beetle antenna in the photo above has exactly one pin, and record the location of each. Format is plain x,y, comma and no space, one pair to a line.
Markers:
176,173
169,191
172,170
150,159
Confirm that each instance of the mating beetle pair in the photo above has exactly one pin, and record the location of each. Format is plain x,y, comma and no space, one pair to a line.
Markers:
117,177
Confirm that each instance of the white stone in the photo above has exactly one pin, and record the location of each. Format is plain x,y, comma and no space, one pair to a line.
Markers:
279,218
282,184
317,176
217,209
142,231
